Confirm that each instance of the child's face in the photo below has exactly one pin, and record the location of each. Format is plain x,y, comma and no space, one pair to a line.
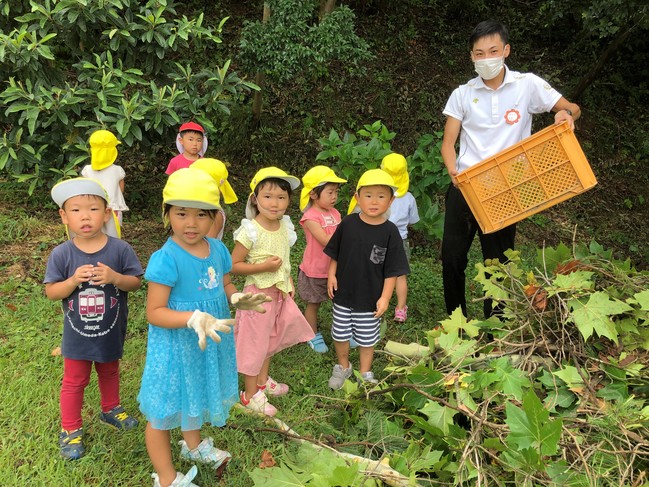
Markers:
374,201
272,202
328,196
189,225
85,215
192,143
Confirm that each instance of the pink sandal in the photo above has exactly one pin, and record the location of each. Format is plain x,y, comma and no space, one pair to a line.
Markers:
401,315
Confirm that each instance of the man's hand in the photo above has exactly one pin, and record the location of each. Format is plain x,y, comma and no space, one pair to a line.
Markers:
250,301
205,325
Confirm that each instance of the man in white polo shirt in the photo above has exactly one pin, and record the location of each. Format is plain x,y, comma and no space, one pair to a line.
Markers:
490,113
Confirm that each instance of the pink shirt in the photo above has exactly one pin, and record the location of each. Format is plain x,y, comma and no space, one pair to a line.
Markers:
315,263
178,162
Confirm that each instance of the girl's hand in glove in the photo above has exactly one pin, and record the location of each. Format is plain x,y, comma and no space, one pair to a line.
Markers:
205,325
249,301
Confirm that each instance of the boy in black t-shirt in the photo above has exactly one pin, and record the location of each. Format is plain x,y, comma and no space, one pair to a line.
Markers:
367,255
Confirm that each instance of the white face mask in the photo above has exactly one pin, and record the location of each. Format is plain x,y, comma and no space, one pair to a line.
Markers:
490,67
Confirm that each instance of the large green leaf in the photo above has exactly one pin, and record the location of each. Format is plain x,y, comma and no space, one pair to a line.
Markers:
530,427
593,314
439,416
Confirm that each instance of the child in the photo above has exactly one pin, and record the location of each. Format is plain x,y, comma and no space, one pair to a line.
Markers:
219,172
261,252
192,145
103,152
366,257
188,382
403,212
319,222
91,274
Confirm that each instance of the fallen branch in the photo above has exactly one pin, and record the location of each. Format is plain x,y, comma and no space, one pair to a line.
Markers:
378,469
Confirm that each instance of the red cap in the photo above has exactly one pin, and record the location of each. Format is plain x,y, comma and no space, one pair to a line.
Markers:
191,126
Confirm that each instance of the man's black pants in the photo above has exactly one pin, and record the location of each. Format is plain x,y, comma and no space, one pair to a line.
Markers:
460,227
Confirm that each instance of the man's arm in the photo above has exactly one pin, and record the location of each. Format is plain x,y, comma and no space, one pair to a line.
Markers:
451,133
564,110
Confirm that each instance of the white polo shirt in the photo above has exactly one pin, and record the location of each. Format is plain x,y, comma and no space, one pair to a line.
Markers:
493,120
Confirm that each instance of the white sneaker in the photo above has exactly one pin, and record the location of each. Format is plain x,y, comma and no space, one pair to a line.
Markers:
339,376
258,403
205,453
180,480
368,377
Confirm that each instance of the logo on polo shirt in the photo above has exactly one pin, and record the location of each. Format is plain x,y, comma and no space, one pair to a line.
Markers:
512,116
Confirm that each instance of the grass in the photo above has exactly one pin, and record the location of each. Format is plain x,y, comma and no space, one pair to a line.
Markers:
30,329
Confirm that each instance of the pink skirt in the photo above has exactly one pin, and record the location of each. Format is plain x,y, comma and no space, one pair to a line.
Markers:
258,336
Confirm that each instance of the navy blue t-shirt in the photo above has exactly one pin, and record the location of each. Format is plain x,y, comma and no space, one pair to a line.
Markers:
95,317
366,255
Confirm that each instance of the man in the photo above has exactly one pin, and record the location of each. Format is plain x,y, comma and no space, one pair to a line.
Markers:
490,113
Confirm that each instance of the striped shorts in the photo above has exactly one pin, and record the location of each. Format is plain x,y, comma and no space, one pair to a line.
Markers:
363,326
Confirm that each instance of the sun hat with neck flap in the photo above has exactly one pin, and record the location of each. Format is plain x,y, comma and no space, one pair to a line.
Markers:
103,149
373,177
397,166
190,188
314,177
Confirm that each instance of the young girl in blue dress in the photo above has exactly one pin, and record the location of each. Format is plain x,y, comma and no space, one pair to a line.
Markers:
188,381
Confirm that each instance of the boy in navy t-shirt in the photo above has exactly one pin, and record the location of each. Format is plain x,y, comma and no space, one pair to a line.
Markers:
91,274
367,256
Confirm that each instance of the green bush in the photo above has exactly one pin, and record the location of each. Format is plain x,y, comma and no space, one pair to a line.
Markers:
352,155
123,65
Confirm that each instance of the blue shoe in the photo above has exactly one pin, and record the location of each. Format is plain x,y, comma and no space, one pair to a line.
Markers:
352,343
71,444
119,419
318,344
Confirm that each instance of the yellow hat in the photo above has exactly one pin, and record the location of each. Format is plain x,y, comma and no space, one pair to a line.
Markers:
397,167
190,188
219,172
103,149
373,177
273,172
64,190
314,177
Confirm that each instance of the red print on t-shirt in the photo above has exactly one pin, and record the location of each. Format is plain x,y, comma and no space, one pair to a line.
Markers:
512,116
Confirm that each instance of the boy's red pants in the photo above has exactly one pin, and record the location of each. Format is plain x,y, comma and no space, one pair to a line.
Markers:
76,376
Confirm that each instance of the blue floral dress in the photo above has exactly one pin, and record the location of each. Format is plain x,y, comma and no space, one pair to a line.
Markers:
183,386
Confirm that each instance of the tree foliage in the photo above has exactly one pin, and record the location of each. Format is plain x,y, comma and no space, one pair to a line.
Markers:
72,66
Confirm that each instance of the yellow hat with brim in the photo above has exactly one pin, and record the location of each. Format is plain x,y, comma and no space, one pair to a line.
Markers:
397,167
373,177
276,173
314,177
103,149
63,191
219,173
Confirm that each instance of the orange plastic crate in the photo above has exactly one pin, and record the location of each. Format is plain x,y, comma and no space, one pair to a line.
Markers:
526,178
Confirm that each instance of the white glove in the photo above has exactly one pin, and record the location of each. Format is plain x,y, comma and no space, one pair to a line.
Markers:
249,301
205,325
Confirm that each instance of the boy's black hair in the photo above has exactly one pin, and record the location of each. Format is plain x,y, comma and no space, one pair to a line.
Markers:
167,207
282,183
488,28
389,187
191,130
319,189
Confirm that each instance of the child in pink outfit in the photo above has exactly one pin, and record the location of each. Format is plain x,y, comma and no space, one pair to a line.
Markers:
262,254
191,144
319,221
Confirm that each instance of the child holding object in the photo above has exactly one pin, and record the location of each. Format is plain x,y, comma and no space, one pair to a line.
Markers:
91,274
191,143
262,253
366,257
219,173
403,212
103,153
319,221
189,380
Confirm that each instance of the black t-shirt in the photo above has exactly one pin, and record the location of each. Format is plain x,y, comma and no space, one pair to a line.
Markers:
366,255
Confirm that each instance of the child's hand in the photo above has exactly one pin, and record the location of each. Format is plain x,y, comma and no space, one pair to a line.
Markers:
205,325
381,307
272,263
332,286
83,274
249,301
102,274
